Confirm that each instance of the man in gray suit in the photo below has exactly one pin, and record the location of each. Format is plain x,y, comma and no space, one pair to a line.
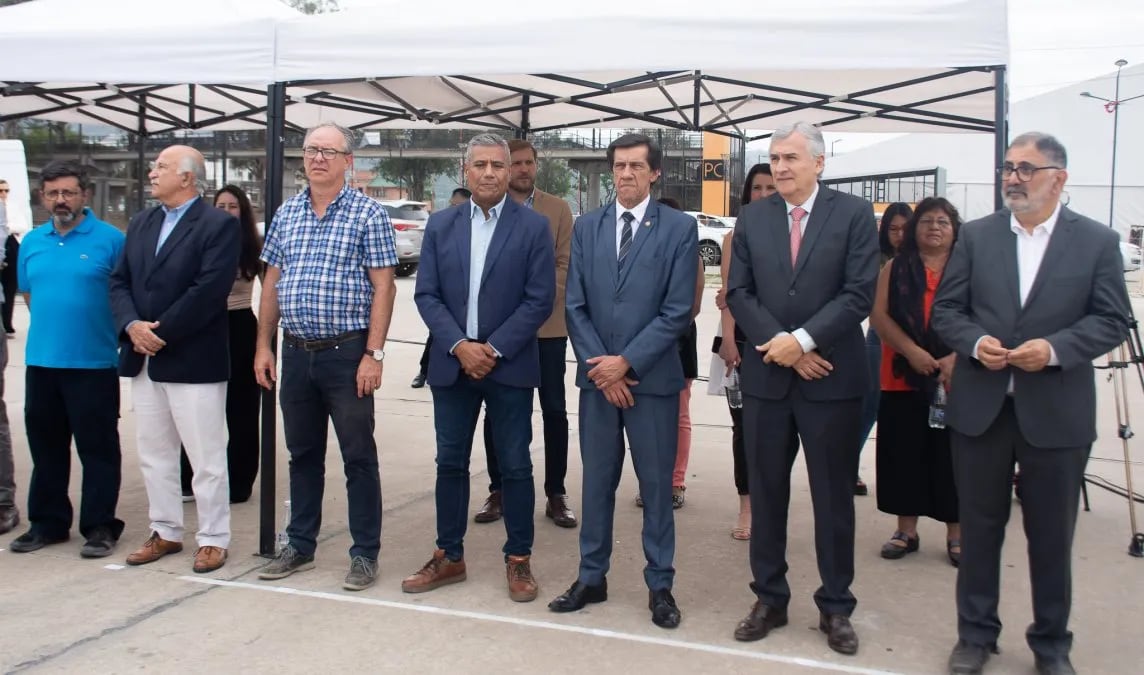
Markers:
1031,295
803,267
631,283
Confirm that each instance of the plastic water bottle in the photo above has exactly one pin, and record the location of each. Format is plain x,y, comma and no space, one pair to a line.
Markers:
734,393
937,408
283,539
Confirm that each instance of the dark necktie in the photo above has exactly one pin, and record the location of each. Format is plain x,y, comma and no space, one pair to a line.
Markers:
625,237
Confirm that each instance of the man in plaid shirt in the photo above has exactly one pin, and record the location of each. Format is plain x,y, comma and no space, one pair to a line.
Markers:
330,259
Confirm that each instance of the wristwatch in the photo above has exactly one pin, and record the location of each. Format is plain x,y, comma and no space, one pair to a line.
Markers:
377,354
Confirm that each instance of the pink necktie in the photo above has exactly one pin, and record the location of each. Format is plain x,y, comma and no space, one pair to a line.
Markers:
796,216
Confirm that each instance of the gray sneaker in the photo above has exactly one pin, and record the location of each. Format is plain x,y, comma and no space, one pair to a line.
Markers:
288,562
362,574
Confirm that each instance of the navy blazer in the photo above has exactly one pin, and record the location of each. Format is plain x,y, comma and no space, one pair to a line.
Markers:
518,288
184,287
828,291
638,313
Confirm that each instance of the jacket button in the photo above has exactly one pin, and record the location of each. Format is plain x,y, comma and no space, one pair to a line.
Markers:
790,292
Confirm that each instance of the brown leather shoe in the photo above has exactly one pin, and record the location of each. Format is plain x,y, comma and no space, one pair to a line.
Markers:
154,548
491,511
558,510
522,586
209,559
439,571
840,635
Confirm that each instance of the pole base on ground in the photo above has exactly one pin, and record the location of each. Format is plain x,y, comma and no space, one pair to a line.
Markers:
1136,547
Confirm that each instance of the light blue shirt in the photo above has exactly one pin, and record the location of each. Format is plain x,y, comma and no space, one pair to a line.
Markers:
171,219
480,237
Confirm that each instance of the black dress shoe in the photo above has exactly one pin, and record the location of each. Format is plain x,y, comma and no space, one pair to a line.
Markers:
969,658
33,541
840,635
579,595
1054,666
664,611
418,381
100,543
762,620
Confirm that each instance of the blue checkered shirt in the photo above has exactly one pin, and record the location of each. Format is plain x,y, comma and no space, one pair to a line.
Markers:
325,289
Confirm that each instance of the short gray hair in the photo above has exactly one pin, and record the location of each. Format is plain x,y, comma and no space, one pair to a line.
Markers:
813,135
486,141
1046,144
347,135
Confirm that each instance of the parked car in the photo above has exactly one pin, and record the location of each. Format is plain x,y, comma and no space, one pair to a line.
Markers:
408,220
712,229
1131,255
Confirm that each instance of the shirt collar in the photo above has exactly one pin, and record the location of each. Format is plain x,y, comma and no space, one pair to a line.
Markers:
638,211
531,198
337,198
1047,226
494,213
808,205
181,209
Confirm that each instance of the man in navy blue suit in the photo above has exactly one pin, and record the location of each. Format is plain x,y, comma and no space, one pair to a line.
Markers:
486,283
631,284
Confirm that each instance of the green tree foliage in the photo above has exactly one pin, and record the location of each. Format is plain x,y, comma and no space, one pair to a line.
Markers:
554,177
414,173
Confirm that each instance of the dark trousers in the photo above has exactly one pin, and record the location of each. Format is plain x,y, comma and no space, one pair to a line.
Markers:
424,371
738,451
652,427
509,410
554,411
318,387
1050,491
243,400
772,429
874,394
61,404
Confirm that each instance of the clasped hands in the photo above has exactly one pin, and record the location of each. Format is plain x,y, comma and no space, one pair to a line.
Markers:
477,358
786,351
1031,356
143,338
610,375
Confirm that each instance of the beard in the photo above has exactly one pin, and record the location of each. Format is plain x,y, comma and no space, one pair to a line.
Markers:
63,217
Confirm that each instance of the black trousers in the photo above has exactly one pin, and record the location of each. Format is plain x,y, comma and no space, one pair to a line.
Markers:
61,404
772,430
8,281
1050,493
243,401
425,356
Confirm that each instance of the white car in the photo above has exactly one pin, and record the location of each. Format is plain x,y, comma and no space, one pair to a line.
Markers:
1131,255
408,220
712,229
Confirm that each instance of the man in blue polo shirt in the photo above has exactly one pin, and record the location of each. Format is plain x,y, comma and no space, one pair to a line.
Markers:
72,389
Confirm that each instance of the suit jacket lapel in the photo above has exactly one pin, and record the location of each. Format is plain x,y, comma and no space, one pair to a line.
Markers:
816,222
462,237
182,229
1007,244
149,238
606,243
780,235
642,231
505,222
1060,243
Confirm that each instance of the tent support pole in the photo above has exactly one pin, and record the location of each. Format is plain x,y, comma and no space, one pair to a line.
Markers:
1000,130
141,158
525,125
272,197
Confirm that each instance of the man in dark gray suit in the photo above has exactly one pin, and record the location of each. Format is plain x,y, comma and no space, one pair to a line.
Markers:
631,283
1031,295
803,267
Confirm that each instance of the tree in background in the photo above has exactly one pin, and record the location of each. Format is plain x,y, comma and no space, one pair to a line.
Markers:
313,6
414,173
554,177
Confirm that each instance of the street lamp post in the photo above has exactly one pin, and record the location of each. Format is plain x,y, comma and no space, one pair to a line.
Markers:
1113,106
832,143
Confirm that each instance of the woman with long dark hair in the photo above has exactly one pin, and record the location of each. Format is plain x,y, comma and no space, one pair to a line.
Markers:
915,467
243,397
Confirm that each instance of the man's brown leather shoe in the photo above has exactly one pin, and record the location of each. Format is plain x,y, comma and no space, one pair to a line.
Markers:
491,511
840,635
762,620
558,510
154,548
438,572
209,559
521,585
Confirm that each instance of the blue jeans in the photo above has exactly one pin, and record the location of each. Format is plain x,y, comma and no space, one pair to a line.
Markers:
874,392
317,387
509,411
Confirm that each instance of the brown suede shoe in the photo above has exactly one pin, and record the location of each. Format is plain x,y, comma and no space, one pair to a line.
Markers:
154,548
522,586
209,559
439,571
558,510
491,511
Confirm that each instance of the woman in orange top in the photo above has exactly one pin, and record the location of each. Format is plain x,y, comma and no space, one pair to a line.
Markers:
914,466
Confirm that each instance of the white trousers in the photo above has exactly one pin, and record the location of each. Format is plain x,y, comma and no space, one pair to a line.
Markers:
167,413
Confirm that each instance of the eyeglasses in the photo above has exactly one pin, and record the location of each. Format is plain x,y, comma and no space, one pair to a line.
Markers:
1024,171
53,195
3,191
310,152
159,166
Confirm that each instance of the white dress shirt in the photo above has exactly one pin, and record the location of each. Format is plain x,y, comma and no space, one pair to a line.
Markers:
639,211
800,334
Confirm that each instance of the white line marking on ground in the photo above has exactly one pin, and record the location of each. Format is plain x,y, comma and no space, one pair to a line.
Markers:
113,567
529,623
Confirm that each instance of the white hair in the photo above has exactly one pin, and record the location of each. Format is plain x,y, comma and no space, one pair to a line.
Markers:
814,141
486,141
194,164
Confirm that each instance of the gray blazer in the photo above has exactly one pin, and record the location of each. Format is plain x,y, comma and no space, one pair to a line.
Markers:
1078,303
639,312
828,292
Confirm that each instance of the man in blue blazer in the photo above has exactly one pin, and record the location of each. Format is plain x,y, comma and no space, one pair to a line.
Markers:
486,283
631,284
168,295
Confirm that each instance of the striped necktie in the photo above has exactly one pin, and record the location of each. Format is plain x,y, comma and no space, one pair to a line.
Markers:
625,237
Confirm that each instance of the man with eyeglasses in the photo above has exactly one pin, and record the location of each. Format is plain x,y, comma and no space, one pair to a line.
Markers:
9,514
71,384
169,294
330,259
1030,296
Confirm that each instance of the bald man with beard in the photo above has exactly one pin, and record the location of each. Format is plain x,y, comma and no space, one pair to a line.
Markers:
168,294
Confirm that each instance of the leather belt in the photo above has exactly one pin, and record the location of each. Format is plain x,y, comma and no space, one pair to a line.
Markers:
322,343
